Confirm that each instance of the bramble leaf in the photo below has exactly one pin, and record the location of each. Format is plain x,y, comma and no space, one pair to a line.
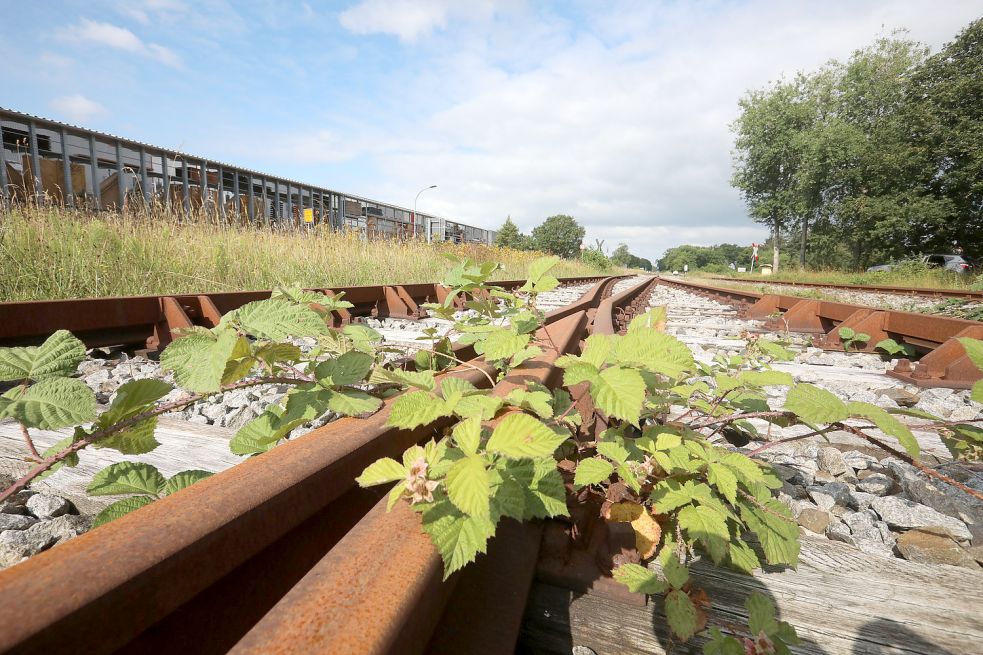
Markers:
198,360
592,471
58,356
619,393
888,424
815,405
458,537
681,614
639,579
416,408
53,403
469,486
723,479
381,471
120,508
349,368
183,479
467,435
521,435
276,319
349,402
761,614
126,478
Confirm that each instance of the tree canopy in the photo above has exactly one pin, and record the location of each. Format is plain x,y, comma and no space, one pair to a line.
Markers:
508,236
559,235
869,160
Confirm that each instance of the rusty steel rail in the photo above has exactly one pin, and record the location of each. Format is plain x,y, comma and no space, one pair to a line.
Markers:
148,321
196,571
944,364
900,291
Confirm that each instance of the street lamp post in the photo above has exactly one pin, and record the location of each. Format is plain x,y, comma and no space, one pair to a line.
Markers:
415,216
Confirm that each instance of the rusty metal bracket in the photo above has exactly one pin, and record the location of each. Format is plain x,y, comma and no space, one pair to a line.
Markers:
396,303
946,366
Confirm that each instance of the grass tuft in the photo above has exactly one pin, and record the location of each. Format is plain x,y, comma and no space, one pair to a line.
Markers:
52,253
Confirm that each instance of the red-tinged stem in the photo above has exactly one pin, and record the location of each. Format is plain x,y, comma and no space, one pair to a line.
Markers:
46,463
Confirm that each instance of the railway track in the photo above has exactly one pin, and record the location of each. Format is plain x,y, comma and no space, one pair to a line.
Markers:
285,553
900,291
943,362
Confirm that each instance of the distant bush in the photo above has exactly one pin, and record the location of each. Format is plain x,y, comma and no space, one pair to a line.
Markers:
595,259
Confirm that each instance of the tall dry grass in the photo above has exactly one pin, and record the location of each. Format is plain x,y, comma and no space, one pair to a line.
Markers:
910,275
52,253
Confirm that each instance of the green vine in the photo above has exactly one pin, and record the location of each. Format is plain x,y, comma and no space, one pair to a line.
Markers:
525,454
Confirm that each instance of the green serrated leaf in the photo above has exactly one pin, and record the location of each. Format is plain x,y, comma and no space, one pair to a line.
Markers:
276,319
671,494
137,439
593,470
976,393
539,402
349,368
743,558
70,461
761,614
703,523
523,436
681,614
779,537
639,579
469,486
815,405
416,408
120,508
653,318
54,402
273,353
720,476
501,344
198,360
183,479
888,424
576,372
132,398
349,402
613,451
419,379
58,356
483,407
467,435
677,574
457,536
381,471
597,349
619,393
126,478
775,350
655,351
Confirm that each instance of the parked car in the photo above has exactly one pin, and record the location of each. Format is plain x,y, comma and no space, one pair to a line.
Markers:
956,263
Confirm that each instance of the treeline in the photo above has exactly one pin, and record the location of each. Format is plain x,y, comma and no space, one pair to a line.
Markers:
562,235
875,159
715,259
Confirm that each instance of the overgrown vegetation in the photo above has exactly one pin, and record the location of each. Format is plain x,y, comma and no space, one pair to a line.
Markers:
685,495
871,160
912,275
51,253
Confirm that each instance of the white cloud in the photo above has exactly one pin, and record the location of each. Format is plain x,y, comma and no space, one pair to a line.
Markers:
119,38
146,11
622,123
77,107
409,19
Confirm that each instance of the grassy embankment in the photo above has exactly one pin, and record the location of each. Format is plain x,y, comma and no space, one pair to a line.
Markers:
47,254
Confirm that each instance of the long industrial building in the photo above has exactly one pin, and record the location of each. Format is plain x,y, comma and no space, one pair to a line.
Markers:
52,162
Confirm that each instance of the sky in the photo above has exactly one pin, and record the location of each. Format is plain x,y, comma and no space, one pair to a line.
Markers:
613,112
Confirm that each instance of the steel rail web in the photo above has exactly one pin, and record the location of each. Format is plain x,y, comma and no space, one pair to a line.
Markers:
148,320
198,570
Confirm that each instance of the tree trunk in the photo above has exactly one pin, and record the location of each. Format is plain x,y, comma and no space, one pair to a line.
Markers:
776,238
802,248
